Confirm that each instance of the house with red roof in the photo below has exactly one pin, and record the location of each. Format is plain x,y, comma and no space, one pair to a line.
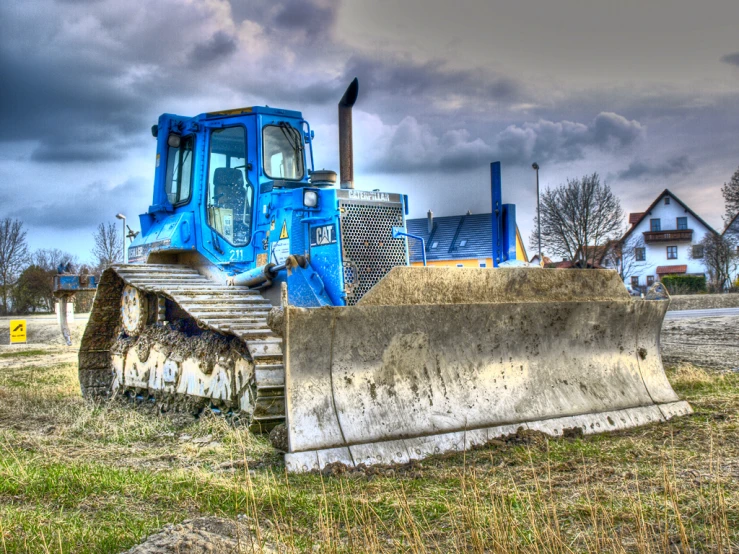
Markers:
663,240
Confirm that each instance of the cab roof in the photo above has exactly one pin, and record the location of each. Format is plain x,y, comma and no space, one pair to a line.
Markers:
264,110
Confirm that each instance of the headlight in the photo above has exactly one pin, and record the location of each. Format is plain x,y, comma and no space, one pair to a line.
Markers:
310,199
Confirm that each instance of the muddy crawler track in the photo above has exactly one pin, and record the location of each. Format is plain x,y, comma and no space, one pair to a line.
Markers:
228,311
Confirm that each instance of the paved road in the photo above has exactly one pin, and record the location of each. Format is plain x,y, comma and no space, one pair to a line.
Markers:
717,312
41,317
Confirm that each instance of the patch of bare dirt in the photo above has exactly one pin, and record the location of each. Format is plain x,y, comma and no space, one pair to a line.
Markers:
211,535
29,355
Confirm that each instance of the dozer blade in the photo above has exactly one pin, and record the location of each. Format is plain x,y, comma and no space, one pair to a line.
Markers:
442,359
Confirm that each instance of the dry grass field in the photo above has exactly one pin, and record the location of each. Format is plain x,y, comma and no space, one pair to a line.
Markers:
76,477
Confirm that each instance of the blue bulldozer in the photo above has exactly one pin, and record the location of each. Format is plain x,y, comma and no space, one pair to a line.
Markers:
264,287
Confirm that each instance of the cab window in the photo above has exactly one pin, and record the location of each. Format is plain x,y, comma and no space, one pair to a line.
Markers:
230,195
179,171
282,152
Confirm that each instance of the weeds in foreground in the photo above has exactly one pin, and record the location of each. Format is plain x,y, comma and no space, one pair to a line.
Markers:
467,507
81,478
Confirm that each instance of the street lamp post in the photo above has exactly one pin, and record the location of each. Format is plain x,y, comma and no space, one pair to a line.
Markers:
125,254
535,166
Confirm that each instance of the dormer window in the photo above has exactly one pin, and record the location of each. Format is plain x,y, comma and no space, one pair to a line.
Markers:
667,200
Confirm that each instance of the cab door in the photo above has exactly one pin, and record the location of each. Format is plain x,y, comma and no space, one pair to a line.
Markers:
229,193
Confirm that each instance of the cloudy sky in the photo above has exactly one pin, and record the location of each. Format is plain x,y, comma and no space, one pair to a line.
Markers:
646,93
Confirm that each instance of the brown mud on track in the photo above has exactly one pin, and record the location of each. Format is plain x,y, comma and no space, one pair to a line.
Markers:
709,342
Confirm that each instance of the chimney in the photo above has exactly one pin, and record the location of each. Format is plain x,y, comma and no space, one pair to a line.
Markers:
430,218
346,149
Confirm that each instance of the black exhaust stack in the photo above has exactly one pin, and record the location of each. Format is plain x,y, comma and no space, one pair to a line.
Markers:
346,148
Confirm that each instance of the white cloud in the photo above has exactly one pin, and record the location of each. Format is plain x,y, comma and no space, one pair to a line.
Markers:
412,146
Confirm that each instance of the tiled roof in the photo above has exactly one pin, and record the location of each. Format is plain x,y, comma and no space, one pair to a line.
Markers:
596,253
634,218
475,229
664,193
733,226
664,269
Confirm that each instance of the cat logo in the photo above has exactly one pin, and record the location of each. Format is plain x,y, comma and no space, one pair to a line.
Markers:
283,233
322,235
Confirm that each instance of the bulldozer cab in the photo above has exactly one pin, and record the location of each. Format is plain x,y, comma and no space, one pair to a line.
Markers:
214,178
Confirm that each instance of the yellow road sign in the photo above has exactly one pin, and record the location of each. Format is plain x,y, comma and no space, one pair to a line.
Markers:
17,330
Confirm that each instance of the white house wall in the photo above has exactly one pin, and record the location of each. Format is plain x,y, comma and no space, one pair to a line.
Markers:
656,252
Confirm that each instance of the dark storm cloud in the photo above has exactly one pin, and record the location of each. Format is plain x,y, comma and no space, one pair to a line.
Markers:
68,152
220,46
74,100
298,96
302,15
732,59
639,169
48,96
404,77
412,146
83,91
613,129
290,18
74,111
85,206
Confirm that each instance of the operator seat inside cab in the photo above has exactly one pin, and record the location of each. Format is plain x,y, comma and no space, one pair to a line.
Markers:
228,189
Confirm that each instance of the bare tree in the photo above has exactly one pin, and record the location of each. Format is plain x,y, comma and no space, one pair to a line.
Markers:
13,256
730,191
48,260
578,218
721,259
108,245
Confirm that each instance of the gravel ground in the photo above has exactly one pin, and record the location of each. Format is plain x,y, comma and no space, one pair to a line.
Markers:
704,301
44,329
204,535
710,342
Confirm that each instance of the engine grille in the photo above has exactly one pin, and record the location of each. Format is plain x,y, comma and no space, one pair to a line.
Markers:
369,249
